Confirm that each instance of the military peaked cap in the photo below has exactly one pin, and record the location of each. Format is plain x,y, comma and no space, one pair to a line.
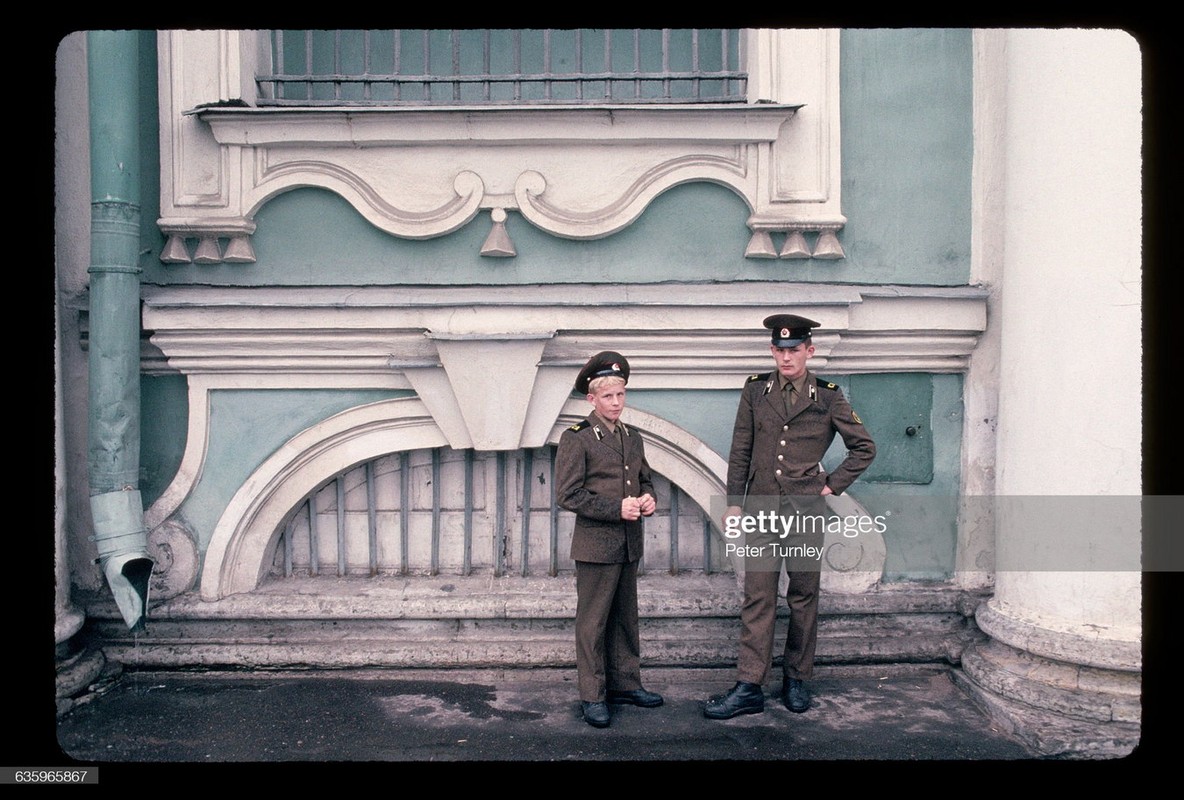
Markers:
789,330
602,365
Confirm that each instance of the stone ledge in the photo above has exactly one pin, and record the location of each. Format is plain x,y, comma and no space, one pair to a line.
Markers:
452,622
509,597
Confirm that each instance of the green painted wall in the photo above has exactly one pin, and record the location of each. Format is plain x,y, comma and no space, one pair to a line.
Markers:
907,141
707,414
164,423
151,239
247,426
922,530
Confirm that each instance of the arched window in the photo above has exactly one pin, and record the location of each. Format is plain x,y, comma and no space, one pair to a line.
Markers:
439,511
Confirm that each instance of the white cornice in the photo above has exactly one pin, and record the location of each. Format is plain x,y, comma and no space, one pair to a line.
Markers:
678,336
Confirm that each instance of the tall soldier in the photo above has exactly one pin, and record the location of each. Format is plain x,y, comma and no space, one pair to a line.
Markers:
786,421
601,474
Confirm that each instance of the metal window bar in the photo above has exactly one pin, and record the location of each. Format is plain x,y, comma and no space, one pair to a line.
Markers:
340,487
455,39
366,48
435,565
499,519
467,553
371,519
485,63
517,65
427,65
579,64
312,535
289,532
527,479
397,62
404,510
547,74
293,84
666,60
553,566
674,492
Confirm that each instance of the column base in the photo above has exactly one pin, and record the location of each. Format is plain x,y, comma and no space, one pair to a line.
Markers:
1059,709
75,675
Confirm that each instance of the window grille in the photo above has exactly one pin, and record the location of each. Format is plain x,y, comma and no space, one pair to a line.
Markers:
503,67
459,512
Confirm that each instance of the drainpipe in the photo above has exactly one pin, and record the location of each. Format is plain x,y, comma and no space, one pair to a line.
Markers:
114,340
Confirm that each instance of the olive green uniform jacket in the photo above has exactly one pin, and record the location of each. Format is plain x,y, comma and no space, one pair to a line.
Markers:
776,452
594,470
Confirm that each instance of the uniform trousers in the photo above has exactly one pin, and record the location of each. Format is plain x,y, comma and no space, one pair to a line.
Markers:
608,643
758,614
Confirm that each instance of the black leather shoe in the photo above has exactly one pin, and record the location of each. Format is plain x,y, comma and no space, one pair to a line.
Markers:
744,698
635,697
795,696
596,714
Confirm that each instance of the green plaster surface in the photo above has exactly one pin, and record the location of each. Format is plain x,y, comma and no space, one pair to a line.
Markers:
907,142
152,241
922,528
247,426
707,414
163,431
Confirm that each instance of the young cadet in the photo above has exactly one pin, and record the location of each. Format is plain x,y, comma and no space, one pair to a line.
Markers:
601,474
785,423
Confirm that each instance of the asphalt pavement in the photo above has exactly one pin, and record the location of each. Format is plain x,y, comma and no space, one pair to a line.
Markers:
910,713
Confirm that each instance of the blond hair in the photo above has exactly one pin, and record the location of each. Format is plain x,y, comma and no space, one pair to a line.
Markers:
596,384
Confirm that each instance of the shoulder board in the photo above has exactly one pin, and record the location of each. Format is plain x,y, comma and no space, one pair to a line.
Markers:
764,376
825,384
579,426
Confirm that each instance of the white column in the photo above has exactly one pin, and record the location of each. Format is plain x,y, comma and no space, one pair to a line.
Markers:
1063,658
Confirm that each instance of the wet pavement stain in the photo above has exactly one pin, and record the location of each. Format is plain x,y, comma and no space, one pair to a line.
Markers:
513,716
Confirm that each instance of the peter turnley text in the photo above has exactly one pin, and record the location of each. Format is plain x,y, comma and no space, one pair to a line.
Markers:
772,550
780,525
